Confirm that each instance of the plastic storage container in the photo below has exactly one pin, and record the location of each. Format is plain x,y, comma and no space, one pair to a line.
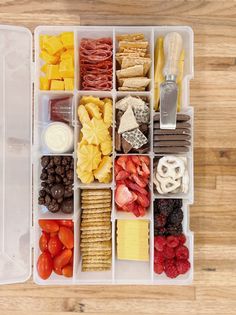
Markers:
21,151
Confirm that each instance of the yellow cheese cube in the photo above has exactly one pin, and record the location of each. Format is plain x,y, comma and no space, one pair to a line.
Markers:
44,68
44,83
53,72
48,58
69,84
57,85
66,68
67,39
42,39
53,45
68,54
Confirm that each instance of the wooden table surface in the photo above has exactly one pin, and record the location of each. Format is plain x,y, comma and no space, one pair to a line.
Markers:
213,216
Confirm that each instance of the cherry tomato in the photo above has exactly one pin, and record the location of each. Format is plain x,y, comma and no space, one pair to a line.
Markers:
66,236
49,226
67,271
43,241
61,260
72,259
53,234
67,223
54,245
45,265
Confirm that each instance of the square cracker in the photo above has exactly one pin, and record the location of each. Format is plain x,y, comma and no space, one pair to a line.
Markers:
97,210
103,215
98,255
95,206
89,233
94,219
106,245
96,201
85,241
96,228
92,268
93,224
96,192
130,37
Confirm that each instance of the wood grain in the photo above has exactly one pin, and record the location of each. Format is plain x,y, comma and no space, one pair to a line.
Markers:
213,216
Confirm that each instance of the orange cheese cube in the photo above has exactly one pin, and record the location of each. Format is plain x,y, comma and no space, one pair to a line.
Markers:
53,72
57,85
42,39
66,68
44,68
69,84
68,54
49,58
67,39
44,83
53,45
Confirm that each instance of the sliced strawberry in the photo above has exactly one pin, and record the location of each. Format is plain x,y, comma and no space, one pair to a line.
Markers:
143,200
135,159
122,175
123,195
120,182
142,210
144,159
135,187
145,169
139,181
118,168
129,207
131,167
136,210
122,161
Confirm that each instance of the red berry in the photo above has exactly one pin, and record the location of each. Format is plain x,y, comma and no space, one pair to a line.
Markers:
182,266
182,252
171,269
168,252
158,257
161,220
159,242
172,241
182,239
158,268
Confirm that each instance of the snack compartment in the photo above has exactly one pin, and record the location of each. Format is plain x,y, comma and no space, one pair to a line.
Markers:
94,265
143,123
133,271
187,36
95,33
162,278
82,97
54,279
148,36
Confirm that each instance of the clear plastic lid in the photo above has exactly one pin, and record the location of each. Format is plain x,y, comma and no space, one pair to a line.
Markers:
15,154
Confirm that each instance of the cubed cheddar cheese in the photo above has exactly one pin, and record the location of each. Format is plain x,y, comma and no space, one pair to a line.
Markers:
67,39
57,85
44,68
53,72
48,58
69,84
53,45
68,54
44,83
42,39
66,68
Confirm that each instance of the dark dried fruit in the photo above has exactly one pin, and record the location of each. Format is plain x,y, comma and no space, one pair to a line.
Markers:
176,217
178,203
160,220
42,193
70,175
43,175
174,229
54,207
60,170
47,200
57,160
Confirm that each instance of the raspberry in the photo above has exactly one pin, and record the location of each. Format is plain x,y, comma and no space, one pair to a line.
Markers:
159,242
182,266
158,268
172,241
158,262
182,239
168,252
171,269
182,252
160,220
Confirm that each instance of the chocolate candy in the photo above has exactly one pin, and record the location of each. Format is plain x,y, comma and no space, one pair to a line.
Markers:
57,183
172,141
57,191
